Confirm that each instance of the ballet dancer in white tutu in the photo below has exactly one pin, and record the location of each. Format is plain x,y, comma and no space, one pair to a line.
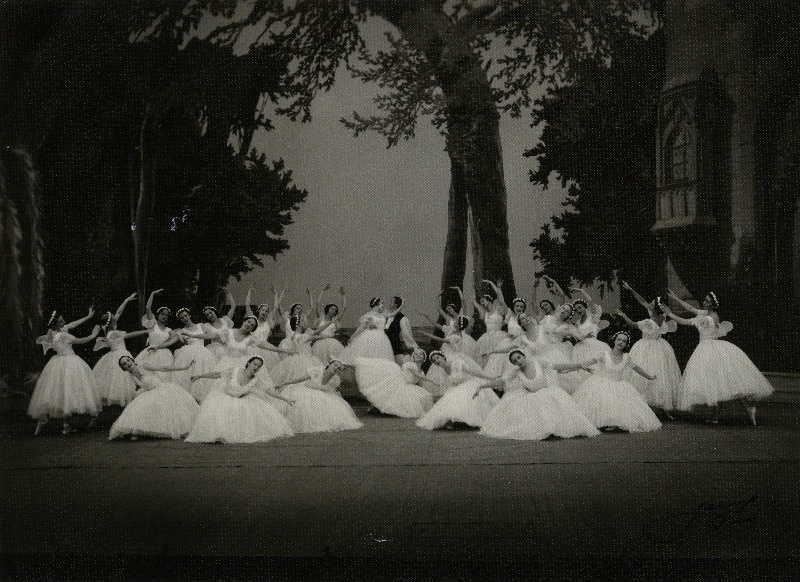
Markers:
554,347
534,407
241,411
266,322
387,387
299,356
160,338
66,385
610,402
456,344
115,385
717,371
655,354
518,308
328,347
547,308
464,380
369,339
493,311
318,406
160,409
193,350
293,322
216,326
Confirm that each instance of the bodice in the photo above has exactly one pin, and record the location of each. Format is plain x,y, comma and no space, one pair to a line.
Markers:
611,369
493,321
116,340
373,321
329,331
408,375
709,329
262,332
553,332
302,343
234,386
220,331
148,381
539,380
62,343
652,331
237,347
194,329
514,328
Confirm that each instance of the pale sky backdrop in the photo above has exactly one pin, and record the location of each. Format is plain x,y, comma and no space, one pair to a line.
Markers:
375,219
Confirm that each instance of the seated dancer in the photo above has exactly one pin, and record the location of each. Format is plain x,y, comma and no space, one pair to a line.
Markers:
609,401
241,411
456,344
329,347
458,404
160,409
387,387
717,371
534,407
266,322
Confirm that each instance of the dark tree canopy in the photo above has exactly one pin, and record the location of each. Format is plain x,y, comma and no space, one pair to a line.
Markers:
598,138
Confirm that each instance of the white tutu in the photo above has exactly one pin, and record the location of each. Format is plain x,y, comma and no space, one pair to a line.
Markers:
271,359
383,384
524,415
66,386
499,364
318,411
657,357
227,419
166,411
328,348
586,349
607,402
116,386
489,341
719,371
370,343
294,368
204,362
458,405
162,358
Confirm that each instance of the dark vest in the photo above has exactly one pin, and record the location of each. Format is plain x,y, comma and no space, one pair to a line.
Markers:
393,331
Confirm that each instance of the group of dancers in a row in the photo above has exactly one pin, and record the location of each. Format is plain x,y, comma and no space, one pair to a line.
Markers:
230,384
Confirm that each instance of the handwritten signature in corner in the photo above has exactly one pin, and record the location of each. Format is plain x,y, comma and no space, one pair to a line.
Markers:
671,527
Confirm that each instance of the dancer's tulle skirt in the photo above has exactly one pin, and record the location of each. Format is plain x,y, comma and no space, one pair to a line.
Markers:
382,383
66,386
116,386
167,411
458,405
615,403
656,356
224,418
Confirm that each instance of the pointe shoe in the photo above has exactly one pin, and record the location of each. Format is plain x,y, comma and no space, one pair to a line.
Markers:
39,427
67,429
669,416
751,412
134,437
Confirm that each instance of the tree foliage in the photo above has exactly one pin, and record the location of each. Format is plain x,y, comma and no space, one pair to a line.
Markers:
598,138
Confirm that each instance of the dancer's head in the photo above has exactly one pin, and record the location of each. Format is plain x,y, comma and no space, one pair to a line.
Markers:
106,321
210,313
184,316
296,310
397,302
331,310
547,306
711,301
620,340
56,321
450,309
527,322
517,357
250,324
486,301
375,303
437,357
519,305
263,311
127,363
655,306
579,307
418,355
254,364
565,312
463,322
335,366
162,314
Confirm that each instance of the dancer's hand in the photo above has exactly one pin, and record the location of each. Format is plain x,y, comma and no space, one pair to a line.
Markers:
132,296
626,286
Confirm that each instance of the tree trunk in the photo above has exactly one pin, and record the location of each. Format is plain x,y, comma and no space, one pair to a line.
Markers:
142,207
455,249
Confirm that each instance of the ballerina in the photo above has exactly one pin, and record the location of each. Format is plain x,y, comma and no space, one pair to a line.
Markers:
654,353
215,327
195,351
160,409
318,406
609,401
385,385
717,371
291,321
241,411
553,333
266,322
299,356
116,387
328,347
518,308
587,324
534,407
66,385
459,403
369,340
159,339
493,313
547,308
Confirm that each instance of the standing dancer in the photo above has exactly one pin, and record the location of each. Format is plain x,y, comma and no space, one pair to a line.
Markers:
242,411
160,410
194,351
398,330
717,371
299,357
518,307
534,407
66,385
116,386
609,401
369,340
654,353
215,328
587,324
157,354
266,321
493,312
464,400
456,344
329,347
291,321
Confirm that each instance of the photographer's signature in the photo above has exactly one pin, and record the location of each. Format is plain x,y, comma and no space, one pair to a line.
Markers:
671,527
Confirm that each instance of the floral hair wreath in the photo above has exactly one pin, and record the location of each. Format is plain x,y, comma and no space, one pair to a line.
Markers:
619,333
160,309
262,305
253,317
488,298
436,353
181,310
373,303
520,300
419,354
332,362
108,321
714,297
212,308
52,317
254,358
580,302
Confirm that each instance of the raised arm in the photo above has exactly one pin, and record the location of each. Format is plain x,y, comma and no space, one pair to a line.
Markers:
556,287
433,323
343,295
628,321
232,310
685,305
149,306
537,312
498,289
124,304
583,292
641,300
78,322
668,312
248,307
